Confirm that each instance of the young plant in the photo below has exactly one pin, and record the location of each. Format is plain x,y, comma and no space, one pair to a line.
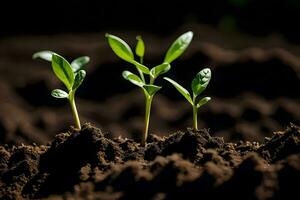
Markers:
70,74
199,84
123,51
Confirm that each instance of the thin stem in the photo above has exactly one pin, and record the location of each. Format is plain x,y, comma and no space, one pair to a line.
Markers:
141,75
147,118
140,72
74,109
152,80
195,114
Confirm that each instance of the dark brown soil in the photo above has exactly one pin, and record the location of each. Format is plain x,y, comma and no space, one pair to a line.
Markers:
89,164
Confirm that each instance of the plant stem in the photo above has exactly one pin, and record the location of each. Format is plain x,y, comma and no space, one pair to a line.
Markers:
152,80
141,75
195,114
195,120
74,109
140,72
147,118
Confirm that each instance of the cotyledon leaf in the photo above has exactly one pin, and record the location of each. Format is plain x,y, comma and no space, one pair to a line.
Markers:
151,89
141,67
203,101
63,70
160,69
45,55
120,47
181,89
80,75
134,79
201,81
79,63
178,46
60,94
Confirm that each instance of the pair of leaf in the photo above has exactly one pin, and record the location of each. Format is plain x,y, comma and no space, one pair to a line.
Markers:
72,75
160,69
64,73
199,84
134,79
58,93
123,50
76,64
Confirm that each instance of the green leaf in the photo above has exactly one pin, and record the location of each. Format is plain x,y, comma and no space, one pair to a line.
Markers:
63,70
78,79
79,63
203,101
178,46
141,67
160,69
60,94
140,47
120,47
134,79
201,81
151,89
45,55
181,89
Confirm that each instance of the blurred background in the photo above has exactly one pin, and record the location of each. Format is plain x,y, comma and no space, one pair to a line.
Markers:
252,47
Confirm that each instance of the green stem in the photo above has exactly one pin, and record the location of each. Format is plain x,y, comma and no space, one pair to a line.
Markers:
140,72
195,114
141,75
147,118
152,80
74,109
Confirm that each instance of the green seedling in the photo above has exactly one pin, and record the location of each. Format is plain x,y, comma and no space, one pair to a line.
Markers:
123,51
199,84
70,74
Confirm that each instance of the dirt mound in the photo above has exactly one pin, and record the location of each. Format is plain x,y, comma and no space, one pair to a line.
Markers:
90,165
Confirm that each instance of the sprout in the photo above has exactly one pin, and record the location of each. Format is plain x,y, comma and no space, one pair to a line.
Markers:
199,84
71,75
123,51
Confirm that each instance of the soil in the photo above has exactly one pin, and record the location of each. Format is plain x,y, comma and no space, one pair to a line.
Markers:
90,164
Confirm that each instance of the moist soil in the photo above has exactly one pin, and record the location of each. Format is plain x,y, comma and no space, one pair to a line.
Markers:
188,164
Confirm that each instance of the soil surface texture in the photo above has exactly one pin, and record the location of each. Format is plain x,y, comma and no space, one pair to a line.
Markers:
90,164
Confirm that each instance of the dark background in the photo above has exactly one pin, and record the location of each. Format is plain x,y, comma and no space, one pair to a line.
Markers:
257,17
252,47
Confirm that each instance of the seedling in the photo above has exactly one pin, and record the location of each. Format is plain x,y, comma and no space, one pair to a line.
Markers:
123,51
71,75
199,84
